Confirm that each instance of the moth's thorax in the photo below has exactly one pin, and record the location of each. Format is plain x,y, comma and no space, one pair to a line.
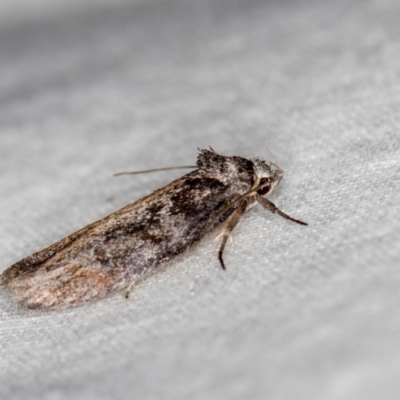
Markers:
229,170
241,173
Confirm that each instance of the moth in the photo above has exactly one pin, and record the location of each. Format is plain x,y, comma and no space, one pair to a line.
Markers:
118,251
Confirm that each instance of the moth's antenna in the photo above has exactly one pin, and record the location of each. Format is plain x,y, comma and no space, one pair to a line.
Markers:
155,170
273,156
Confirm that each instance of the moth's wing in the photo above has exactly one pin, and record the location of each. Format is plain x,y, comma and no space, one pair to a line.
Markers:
70,271
111,253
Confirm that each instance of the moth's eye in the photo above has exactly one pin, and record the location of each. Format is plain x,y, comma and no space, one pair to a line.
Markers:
265,186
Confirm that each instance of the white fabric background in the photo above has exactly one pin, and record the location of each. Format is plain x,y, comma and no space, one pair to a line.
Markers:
91,88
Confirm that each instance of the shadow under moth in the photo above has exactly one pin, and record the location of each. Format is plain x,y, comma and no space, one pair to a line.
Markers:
117,251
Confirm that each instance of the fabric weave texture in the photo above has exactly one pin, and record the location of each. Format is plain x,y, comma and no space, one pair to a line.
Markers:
89,89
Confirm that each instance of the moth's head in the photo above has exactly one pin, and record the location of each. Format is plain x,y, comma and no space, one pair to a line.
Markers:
268,176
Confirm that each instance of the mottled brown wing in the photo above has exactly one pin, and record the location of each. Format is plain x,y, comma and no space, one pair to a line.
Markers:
119,249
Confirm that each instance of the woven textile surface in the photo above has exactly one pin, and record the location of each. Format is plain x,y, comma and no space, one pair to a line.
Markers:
89,88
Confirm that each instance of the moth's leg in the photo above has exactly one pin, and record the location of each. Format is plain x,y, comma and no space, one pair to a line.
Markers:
268,205
229,224
129,288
